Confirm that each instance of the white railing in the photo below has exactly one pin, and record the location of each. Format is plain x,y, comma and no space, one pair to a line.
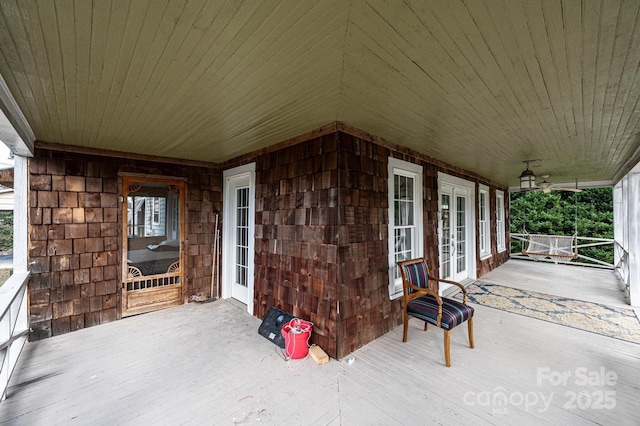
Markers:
14,325
622,264
582,242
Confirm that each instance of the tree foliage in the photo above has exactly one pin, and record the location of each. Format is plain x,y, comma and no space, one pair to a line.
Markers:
588,214
6,231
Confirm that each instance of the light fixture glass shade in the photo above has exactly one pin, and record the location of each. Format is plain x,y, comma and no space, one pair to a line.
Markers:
527,180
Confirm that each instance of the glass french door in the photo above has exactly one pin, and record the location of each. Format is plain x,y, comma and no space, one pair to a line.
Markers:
456,242
238,235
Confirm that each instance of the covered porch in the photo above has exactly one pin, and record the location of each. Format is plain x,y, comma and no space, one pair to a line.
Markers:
206,364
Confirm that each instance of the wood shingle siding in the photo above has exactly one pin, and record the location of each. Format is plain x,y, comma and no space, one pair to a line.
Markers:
296,234
366,312
75,236
321,233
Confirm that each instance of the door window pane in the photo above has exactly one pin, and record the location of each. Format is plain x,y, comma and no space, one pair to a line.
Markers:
446,232
242,236
461,231
153,240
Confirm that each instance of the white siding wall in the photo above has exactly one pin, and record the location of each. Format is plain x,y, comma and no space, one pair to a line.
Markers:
6,200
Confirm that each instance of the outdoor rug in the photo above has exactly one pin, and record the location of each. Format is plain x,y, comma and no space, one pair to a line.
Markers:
620,323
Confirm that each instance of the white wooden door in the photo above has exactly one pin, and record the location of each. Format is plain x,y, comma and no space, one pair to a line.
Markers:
457,242
238,235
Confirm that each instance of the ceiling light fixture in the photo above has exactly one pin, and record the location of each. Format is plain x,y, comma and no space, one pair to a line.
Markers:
527,178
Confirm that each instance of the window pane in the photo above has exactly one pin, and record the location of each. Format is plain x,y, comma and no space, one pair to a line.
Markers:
396,187
405,214
153,217
500,222
483,223
403,201
409,190
403,246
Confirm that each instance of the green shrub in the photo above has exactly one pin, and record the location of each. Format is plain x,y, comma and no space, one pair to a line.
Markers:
6,231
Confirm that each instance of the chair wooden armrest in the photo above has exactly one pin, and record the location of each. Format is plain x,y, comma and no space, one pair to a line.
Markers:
419,291
457,284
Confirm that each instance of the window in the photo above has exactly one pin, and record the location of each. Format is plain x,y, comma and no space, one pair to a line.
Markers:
500,221
483,222
405,218
147,245
156,210
147,215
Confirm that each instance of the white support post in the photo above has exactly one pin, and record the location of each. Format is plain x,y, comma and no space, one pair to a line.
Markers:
14,316
20,213
16,133
618,222
633,206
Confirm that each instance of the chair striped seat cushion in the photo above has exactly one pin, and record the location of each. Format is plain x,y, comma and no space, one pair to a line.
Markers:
426,309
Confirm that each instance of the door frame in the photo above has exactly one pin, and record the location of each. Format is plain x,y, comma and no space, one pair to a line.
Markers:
155,297
469,189
229,177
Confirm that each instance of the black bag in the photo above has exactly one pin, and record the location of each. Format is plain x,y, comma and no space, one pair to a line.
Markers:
272,324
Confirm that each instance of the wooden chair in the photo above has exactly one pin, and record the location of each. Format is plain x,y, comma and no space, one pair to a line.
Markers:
134,272
425,304
174,267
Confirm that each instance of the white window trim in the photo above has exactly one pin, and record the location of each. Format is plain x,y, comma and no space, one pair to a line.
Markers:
414,171
500,225
483,189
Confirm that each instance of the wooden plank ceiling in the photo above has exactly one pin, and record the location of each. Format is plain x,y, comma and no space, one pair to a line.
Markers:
482,85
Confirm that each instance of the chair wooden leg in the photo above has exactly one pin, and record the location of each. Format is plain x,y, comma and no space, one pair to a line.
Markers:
447,347
425,325
405,318
470,326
